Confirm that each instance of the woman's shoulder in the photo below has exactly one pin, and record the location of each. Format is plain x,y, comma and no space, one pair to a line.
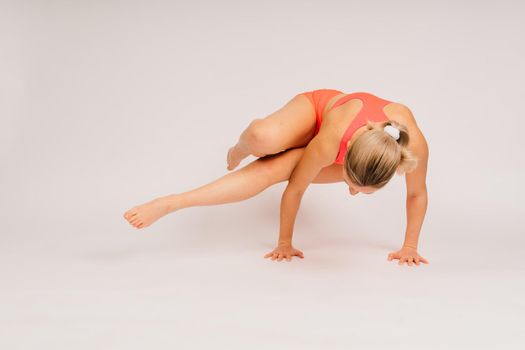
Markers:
403,115
400,113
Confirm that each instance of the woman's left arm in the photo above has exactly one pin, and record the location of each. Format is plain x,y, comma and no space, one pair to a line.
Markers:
416,196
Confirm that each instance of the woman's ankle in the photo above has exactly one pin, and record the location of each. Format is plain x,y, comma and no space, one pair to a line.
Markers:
173,202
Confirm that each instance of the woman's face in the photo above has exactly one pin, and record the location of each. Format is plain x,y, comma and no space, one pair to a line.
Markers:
354,189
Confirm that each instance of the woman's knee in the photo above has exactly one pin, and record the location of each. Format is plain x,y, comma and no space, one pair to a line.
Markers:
259,138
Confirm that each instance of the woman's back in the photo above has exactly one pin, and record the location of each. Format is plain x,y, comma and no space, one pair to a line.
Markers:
344,114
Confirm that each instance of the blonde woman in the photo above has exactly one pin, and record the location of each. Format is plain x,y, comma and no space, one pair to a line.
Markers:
319,136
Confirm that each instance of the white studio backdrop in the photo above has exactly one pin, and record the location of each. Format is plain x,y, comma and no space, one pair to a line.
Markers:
107,104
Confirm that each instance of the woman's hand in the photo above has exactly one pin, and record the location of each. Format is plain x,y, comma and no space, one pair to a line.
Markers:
284,251
408,255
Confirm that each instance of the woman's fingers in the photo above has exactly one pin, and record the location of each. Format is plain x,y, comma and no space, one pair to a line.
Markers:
410,260
280,254
270,254
392,256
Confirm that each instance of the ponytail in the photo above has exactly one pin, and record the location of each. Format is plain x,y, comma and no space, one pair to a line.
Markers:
378,153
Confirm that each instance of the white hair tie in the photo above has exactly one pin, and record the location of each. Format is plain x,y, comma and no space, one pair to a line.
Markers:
392,131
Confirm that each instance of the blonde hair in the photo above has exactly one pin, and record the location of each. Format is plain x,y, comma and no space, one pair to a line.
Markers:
374,156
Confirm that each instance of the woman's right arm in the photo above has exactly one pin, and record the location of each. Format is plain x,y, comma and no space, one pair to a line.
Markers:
290,202
318,154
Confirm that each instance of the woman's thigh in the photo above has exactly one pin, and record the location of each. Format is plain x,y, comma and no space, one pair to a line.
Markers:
281,165
291,126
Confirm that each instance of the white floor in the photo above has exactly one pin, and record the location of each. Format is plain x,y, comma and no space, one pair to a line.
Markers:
198,280
105,105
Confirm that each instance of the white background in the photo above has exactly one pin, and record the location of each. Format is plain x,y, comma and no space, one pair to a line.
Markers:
107,104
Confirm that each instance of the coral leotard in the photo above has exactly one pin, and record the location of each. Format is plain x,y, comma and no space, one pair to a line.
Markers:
372,110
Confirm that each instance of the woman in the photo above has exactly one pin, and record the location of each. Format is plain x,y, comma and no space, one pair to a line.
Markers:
319,136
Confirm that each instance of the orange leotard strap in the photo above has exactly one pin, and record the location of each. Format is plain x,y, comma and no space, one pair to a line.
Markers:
372,110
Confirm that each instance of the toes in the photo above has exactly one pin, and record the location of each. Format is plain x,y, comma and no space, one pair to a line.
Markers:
129,214
228,158
232,163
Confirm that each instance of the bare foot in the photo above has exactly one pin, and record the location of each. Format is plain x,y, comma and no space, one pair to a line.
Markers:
234,157
145,214
232,163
